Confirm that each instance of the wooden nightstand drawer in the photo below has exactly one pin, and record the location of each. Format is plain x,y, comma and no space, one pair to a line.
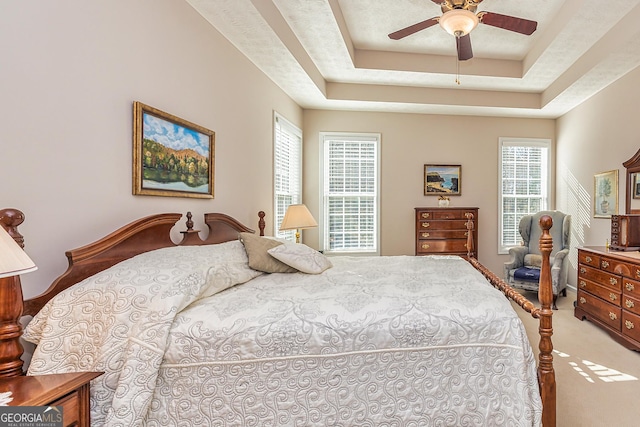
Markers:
70,408
443,234
442,246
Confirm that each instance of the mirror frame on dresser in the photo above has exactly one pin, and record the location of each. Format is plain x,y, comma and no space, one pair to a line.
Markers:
633,169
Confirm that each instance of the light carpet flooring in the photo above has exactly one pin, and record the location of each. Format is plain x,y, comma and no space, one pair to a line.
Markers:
597,379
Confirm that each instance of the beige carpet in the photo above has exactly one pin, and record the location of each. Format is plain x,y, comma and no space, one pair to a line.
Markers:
597,379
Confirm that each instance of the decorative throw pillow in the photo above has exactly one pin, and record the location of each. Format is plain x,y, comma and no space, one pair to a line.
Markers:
259,258
301,257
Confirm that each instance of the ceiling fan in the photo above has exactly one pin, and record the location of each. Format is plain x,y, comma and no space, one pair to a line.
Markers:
459,18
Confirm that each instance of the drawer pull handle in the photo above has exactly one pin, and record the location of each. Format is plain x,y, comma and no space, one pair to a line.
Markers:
628,324
425,246
588,258
638,274
613,281
583,270
426,234
466,234
605,264
582,300
612,296
629,286
425,225
629,303
612,316
465,245
426,215
583,284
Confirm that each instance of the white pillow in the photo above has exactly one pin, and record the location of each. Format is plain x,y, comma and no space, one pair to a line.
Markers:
301,257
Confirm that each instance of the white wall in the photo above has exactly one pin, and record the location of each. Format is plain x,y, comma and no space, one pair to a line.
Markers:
597,136
69,73
408,142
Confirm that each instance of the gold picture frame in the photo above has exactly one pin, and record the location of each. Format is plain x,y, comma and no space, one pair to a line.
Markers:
605,194
442,180
171,156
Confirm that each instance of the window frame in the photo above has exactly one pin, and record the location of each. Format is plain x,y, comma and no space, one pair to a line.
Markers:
281,124
325,137
545,185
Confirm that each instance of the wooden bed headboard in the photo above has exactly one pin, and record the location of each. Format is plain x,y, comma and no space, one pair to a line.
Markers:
143,235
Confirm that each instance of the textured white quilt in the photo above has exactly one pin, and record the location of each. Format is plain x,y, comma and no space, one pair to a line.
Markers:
380,341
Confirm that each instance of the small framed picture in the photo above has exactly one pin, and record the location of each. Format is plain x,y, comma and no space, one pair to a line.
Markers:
635,192
442,180
171,156
605,194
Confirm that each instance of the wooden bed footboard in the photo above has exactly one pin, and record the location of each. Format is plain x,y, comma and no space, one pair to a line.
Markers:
544,313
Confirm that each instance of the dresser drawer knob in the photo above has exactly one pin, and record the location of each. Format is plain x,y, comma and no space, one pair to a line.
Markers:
628,324
582,300
605,264
629,286
612,316
425,225
629,303
426,215
588,259
466,234
583,270
425,246
612,296
613,281
583,284
426,234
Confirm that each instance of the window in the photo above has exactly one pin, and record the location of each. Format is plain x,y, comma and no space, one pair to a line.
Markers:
524,185
287,171
350,219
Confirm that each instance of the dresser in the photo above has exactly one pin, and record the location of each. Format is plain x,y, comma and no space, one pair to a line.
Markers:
444,230
609,292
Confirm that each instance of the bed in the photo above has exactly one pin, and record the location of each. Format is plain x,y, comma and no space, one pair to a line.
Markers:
190,334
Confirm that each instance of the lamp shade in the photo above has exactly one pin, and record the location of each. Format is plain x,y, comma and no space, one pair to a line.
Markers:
297,216
13,260
458,22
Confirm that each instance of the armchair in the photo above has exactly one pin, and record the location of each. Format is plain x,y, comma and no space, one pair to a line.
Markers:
523,269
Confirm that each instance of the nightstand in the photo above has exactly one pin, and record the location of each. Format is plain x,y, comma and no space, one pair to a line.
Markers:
71,391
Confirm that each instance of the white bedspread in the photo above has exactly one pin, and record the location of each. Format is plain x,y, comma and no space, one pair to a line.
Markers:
381,341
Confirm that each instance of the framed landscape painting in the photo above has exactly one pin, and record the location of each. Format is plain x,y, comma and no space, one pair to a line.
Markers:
171,156
442,180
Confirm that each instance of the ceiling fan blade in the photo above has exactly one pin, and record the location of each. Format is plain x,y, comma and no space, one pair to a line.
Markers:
463,44
397,35
511,23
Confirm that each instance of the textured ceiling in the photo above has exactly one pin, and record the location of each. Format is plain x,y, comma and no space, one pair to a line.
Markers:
335,54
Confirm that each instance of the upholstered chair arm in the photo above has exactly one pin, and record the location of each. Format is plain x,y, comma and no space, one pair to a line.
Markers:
517,254
559,271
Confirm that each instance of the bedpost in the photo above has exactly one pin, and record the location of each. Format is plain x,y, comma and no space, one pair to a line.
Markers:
470,243
546,373
261,224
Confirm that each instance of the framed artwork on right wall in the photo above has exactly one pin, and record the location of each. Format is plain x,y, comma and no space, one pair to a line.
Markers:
605,194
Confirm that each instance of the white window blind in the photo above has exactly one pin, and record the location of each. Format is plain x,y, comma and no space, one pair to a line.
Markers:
287,171
524,185
350,199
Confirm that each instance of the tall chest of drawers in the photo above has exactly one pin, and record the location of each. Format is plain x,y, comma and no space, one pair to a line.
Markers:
609,292
444,230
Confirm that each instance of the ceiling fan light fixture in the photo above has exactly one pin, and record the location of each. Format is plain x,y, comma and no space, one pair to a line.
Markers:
458,22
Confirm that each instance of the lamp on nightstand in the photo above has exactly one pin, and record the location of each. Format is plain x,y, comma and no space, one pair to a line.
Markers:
297,218
13,262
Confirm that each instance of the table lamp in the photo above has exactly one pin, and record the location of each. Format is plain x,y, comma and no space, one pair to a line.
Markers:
297,217
13,262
